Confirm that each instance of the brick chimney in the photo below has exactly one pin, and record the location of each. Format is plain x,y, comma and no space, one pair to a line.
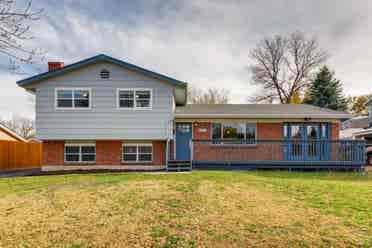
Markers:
55,65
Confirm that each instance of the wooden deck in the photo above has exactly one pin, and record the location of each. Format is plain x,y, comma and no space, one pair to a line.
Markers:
278,154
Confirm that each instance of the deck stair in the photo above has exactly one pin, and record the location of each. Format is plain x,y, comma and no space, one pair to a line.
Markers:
179,165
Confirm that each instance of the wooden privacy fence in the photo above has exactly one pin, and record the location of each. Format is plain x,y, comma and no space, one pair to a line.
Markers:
19,155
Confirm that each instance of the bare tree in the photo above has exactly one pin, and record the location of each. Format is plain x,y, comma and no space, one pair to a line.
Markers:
208,96
283,66
24,127
15,25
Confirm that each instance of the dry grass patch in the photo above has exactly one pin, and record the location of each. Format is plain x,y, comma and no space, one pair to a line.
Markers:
166,213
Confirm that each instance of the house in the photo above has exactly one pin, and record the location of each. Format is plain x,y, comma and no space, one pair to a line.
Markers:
352,126
104,113
7,134
34,140
366,133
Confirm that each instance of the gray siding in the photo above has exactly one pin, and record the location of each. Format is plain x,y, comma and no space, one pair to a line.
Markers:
103,121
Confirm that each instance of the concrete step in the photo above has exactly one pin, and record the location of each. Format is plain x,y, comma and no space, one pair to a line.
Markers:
177,165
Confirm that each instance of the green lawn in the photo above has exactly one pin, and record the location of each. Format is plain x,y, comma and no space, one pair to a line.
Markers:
198,209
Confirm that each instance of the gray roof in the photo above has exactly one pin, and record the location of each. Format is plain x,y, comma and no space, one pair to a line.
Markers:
268,111
356,122
95,59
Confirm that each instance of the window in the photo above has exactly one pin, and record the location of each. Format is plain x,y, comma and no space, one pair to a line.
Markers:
233,131
143,98
81,153
73,98
105,74
126,98
324,131
296,132
285,130
134,98
183,128
137,153
238,133
216,131
250,133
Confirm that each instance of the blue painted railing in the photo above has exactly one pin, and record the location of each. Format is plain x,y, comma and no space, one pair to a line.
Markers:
313,153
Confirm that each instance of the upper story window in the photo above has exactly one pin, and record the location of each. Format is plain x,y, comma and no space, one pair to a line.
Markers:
104,74
234,133
73,98
134,98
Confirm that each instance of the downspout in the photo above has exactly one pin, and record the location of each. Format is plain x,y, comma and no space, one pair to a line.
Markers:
166,153
167,146
191,144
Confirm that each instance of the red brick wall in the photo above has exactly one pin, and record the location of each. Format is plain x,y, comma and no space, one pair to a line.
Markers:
53,152
335,131
158,152
261,151
270,130
201,130
107,153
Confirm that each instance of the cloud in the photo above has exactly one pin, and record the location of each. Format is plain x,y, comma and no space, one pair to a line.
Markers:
202,42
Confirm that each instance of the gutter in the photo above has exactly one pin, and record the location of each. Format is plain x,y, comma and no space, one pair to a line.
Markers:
263,116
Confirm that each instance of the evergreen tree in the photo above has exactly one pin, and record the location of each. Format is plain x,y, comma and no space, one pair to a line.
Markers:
307,97
326,91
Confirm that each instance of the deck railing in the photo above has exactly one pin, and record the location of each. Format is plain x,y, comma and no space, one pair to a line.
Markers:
279,152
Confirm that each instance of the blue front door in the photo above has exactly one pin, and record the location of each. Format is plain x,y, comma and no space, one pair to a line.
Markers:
183,137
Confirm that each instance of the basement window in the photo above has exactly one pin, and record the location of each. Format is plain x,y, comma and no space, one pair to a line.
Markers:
80,153
104,74
137,153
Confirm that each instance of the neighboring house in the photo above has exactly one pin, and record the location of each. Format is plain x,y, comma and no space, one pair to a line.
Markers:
104,113
366,133
352,126
9,135
34,140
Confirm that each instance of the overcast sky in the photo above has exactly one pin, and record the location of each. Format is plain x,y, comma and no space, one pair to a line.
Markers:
205,43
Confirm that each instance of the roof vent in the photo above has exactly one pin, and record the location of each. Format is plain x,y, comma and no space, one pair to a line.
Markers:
105,74
55,65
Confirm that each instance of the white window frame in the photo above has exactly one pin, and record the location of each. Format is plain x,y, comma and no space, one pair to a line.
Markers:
73,99
245,133
134,98
80,153
137,153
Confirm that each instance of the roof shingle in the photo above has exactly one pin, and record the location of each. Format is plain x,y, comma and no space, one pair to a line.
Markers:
257,111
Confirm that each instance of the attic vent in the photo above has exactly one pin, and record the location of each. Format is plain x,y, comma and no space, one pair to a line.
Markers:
105,74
